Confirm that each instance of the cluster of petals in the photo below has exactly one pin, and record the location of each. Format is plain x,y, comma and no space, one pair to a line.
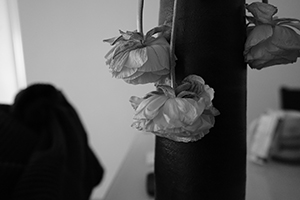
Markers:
271,41
185,114
138,58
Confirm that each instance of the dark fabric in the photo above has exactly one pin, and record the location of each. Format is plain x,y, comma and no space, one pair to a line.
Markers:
290,98
44,151
209,43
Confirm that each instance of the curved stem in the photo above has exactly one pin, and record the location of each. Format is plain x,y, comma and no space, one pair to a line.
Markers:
140,16
172,47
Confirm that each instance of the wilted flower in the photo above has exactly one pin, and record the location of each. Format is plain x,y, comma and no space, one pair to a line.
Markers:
183,115
138,58
271,41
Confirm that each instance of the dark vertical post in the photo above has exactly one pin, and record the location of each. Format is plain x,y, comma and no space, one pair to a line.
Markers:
209,43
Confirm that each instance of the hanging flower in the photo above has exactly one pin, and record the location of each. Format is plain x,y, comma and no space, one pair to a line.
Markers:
271,41
138,58
185,114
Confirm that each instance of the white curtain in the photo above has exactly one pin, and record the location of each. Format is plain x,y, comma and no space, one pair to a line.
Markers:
12,69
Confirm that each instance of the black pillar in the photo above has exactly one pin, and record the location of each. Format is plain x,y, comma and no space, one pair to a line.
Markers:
209,42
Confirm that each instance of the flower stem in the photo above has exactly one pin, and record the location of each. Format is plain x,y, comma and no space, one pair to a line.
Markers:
172,47
140,16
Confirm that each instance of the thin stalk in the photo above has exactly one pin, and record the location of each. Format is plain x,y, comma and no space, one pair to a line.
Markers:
172,47
140,16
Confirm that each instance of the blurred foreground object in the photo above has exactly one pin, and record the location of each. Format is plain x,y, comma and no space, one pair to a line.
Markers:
44,151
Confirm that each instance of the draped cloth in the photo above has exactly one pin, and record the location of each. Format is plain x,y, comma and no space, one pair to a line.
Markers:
44,150
209,42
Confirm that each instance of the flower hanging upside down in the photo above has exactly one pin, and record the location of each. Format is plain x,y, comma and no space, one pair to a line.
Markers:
272,40
183,115
139,59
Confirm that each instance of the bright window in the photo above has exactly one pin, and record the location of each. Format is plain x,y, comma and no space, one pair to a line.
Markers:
12,69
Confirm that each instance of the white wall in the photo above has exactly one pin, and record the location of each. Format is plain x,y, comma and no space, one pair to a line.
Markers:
63,46
263,85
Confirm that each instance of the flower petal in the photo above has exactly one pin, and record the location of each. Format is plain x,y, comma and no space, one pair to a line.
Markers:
157,124
158,58
113,40
272,55
193,110
144,78
140,124
124,73
285,57
135,101
261,53
294,23
149,107
152,109
286,38
159,29
179,110
166,90
194,87
125,46
171,111
262,11
116,65
137,58
257,35
192,83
